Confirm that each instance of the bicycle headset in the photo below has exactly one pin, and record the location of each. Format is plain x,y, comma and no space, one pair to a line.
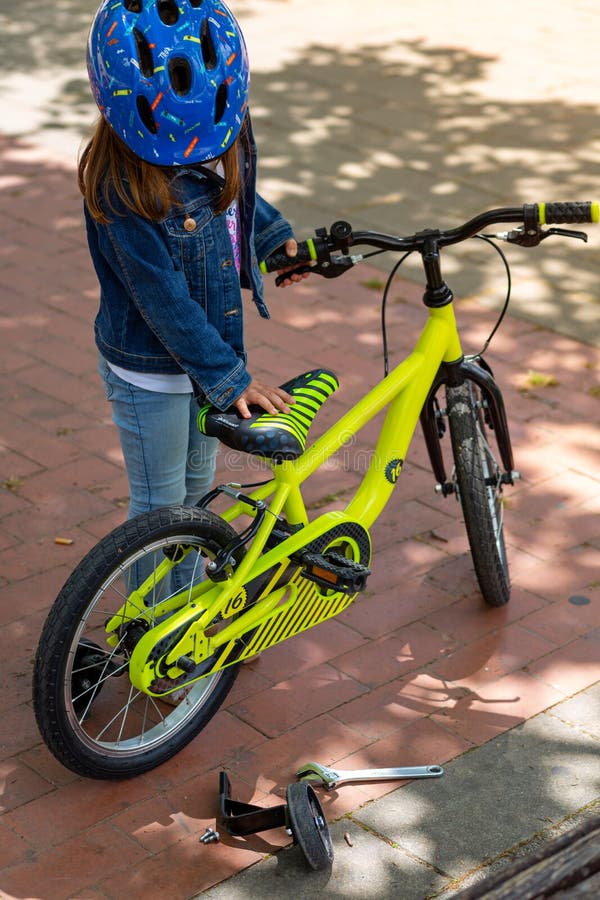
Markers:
171,78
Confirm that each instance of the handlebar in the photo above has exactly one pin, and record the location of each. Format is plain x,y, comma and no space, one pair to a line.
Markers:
314,254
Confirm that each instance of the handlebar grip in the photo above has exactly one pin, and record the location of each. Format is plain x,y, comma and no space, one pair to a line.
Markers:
568,213
280,260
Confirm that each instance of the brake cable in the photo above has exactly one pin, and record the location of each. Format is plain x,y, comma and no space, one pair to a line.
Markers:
502,255
388,285
503,311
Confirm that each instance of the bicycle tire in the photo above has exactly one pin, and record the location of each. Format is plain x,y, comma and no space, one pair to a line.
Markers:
119,731
308,825
477,480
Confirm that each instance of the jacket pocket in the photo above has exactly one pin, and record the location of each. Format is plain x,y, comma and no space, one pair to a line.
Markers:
188,237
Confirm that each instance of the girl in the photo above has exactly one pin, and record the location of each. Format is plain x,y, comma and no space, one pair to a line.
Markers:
175,229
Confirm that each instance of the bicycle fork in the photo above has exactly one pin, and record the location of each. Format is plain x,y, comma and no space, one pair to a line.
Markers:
480,374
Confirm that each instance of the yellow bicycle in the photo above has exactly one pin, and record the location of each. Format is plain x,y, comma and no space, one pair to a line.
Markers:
146,637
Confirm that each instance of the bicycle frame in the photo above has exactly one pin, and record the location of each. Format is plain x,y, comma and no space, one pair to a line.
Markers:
262,572
404,391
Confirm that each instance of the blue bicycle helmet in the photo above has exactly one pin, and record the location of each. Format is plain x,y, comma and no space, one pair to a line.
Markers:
170,76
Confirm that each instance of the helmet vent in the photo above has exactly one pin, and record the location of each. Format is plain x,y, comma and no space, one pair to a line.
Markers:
220,102
196,3
180,74
134,6
167,11
145,113
209,54
144,54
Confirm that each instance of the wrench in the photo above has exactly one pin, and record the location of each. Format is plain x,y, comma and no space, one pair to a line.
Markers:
330,778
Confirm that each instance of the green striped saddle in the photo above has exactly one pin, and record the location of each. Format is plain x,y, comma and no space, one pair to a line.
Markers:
280,436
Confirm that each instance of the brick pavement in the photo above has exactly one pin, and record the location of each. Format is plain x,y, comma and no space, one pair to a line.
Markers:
417,663
441,114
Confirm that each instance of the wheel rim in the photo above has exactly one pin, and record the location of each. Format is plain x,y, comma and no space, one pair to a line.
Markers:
109,715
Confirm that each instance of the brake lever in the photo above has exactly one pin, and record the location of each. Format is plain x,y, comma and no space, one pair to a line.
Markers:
532,238
332,268
565,232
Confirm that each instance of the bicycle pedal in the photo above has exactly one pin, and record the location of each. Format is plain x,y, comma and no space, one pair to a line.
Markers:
335,572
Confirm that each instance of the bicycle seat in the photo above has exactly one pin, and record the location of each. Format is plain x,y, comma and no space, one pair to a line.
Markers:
280,436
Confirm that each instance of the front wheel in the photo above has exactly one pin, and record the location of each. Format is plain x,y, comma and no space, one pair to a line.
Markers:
478,482
89,714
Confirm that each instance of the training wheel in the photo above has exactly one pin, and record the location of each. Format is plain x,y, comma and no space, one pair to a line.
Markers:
308,825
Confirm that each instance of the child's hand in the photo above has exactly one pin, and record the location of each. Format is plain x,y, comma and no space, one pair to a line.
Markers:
291,248
272,399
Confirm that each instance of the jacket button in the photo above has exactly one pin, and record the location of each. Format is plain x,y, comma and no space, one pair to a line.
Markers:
189,224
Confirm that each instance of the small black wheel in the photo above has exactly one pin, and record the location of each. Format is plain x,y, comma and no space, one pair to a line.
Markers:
89,714
478,483
308,825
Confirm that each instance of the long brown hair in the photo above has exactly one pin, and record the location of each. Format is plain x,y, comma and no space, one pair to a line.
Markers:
107,162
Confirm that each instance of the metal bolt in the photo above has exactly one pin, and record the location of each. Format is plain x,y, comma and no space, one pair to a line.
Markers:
210,836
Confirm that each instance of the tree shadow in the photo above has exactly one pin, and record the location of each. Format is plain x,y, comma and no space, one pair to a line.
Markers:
394,138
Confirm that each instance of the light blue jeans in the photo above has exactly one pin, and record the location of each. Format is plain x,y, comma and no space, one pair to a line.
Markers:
168,461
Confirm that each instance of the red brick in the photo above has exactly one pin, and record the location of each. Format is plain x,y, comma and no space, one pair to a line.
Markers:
399,562
198,867
74,866
497,706
40,760
59,353
21,785
11,502
298,699
421,742
562,622
470,618
62,815
47,451
29,596
388,658
392,706
155,825
269,766
492,656
571,668
376,613
13,848
557,581
45,555
307,650
15,675
19,731
225,736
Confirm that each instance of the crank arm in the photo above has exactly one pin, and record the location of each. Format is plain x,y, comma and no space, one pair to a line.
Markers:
330,778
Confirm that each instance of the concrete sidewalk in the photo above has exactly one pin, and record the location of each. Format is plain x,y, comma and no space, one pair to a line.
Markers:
395,116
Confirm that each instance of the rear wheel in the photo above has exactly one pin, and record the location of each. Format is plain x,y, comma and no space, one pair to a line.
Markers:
89,714
478,482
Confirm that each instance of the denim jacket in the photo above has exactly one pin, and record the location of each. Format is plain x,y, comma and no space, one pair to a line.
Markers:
170,298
